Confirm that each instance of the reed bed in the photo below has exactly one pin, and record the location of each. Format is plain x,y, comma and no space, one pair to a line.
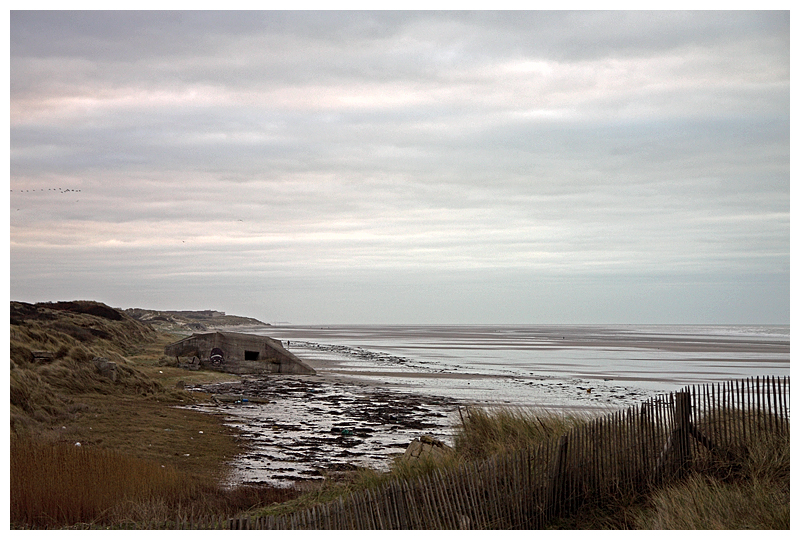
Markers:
57,485
66,486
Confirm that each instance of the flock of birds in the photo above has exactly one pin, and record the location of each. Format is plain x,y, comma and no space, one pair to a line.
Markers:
58,190
48,189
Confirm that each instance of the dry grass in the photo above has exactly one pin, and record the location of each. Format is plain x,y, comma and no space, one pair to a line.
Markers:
744,486
737,486
484,433
749,490
58,486
144,460
481,434
44,392
61,485
703,502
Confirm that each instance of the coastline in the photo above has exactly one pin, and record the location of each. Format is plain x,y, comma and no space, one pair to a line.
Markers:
386,386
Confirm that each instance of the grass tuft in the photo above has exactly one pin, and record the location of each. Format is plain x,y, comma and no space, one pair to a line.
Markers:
484,433
703,502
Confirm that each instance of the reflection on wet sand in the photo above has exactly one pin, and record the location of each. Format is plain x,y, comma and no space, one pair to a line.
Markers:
377,388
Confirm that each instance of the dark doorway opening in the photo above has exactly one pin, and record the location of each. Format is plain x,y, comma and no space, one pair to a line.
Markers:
251,355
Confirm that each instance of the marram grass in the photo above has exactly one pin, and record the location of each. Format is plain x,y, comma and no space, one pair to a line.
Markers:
703,502
484,433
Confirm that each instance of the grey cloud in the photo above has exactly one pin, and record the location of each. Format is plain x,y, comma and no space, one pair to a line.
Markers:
313,46
328,147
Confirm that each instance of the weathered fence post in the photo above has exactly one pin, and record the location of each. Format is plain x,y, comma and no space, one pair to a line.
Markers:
555,490
678,441
683,427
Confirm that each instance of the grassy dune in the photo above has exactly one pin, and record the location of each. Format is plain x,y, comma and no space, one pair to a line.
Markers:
141,457
749,489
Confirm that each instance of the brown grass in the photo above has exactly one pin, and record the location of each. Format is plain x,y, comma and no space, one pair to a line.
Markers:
481,434
59,485
703,502
748,488
144,460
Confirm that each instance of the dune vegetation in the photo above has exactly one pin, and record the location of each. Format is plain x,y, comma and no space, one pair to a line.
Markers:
748,488
141,457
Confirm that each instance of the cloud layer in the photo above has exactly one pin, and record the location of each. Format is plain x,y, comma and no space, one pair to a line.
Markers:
381,166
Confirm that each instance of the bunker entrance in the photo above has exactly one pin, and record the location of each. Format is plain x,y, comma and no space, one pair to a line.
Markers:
251,355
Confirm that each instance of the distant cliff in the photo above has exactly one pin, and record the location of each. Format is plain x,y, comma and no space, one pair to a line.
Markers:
189,321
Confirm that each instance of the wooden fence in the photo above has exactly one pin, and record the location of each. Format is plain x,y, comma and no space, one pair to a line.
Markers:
630,451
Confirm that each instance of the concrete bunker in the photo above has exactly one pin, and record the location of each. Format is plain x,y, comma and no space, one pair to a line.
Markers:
236,353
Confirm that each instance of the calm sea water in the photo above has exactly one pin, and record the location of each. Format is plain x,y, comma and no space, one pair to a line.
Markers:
541,365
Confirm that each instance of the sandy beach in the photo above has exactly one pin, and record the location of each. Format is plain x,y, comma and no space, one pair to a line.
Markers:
378,388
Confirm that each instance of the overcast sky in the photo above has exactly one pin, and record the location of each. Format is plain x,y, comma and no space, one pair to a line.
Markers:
411,167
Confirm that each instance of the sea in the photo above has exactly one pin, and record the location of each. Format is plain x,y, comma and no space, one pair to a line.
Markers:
366,370
501,364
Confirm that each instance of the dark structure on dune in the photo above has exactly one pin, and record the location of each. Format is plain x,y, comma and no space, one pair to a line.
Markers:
236,353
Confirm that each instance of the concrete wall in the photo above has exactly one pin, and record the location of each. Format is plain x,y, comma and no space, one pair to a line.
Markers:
244,353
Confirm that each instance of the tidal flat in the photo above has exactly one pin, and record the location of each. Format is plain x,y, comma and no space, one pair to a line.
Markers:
379,387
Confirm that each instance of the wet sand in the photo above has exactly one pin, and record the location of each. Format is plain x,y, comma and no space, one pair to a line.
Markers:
389,385
671,356
305,427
